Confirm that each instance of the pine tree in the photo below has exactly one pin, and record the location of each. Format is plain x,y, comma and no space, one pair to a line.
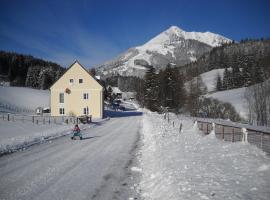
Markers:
179,92
219,86
169,88
151,90
193,99
92,71
225,82
109,94
236,77
247,75
258,74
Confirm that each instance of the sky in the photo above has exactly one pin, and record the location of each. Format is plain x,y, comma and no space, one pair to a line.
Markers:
95,31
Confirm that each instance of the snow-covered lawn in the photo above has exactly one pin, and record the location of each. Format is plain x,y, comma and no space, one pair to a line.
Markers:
189,165
19,99
210,78
18,135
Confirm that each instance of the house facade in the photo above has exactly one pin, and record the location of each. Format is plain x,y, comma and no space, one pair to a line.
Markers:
77,93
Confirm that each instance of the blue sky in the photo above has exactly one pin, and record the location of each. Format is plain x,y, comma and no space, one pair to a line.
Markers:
94,31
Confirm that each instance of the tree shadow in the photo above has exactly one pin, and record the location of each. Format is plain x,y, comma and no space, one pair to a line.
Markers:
96,123
115,114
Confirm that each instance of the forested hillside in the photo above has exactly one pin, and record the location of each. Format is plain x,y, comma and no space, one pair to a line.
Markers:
247,63
181,89
25,70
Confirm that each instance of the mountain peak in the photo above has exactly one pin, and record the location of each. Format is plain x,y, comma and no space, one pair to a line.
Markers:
174,29
174,32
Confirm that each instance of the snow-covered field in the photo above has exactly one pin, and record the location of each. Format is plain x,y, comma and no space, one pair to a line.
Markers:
235,97
209,78
21,99
189,165
18,135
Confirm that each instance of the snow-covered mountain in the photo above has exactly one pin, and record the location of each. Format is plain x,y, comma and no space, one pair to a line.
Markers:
171,46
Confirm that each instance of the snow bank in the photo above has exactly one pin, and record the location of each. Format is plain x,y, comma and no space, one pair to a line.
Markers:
191,166
20,99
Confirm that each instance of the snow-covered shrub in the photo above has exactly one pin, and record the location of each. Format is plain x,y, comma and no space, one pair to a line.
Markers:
71,114
213,108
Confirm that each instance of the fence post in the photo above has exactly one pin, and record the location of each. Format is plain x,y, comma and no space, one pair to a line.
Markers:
33,119
180,128
213,127
37,121
233,134
261,140
173,123
245,135
8,117
206,128
222,132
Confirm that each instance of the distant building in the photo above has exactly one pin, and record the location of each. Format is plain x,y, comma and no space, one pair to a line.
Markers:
77,93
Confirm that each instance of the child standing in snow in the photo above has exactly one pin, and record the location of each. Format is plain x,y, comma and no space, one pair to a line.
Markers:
76,132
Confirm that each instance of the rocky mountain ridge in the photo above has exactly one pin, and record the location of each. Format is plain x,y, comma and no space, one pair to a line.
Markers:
174,46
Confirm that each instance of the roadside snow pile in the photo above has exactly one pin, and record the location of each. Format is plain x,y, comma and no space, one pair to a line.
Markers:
191,166
129,105
21,99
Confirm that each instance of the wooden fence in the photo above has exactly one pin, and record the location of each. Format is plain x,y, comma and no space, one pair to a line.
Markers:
37,119
235,134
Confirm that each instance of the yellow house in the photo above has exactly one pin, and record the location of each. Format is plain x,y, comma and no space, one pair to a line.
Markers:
77,93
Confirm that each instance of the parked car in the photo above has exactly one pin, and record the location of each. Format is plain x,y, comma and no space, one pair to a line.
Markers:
85,119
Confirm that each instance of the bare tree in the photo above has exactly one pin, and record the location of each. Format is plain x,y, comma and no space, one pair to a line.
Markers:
258,98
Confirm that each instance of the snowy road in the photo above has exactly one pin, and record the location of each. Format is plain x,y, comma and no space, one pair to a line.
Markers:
94,168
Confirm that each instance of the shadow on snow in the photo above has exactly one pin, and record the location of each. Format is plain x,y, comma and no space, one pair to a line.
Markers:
87,138
112,114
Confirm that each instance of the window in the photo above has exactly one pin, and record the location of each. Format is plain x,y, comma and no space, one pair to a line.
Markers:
80,80
86,111
71,81
61,111
85,95
61,98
